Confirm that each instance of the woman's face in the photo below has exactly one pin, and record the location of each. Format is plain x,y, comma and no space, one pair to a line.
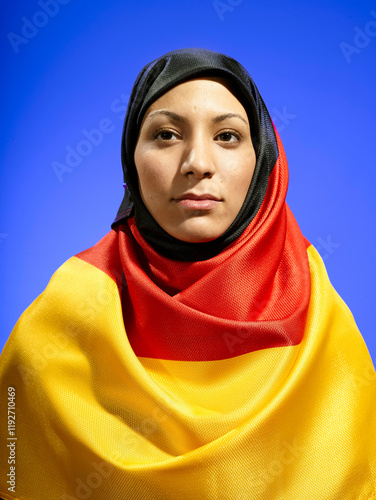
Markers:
195,142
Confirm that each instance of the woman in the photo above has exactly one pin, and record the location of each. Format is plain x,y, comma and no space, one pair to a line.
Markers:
198,351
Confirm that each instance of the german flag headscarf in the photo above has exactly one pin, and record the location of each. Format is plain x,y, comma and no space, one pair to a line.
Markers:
142,372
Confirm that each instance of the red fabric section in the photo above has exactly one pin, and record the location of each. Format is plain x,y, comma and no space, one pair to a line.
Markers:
253,295
105,256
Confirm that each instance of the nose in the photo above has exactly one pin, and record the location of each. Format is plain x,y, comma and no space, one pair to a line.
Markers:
197,158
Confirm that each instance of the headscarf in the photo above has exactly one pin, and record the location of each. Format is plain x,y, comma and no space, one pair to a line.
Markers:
242,375
155,79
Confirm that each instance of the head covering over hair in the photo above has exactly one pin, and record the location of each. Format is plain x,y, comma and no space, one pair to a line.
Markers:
238,376
153,81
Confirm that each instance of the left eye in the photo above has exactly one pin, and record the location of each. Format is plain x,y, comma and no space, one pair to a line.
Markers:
228,137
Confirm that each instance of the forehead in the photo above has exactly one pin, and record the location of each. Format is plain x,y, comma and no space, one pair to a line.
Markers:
214,91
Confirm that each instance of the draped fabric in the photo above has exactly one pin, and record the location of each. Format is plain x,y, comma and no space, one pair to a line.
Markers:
242,376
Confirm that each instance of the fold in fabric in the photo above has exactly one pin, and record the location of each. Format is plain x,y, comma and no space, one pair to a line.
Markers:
241,376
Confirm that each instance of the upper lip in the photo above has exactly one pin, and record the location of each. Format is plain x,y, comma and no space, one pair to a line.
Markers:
193,196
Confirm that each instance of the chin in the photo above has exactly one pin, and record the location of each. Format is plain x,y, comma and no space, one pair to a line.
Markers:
195,236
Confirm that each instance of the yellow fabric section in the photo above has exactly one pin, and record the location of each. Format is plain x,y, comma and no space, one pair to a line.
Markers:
94,421
239,386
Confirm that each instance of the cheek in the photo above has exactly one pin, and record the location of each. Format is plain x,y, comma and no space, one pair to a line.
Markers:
240,178
247,174
152,175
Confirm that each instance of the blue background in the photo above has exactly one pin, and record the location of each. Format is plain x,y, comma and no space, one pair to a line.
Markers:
71,68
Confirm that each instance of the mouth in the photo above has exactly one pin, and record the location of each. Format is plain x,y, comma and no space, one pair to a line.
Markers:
193,201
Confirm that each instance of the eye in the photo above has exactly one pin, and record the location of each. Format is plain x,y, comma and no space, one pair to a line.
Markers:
164,135
229,136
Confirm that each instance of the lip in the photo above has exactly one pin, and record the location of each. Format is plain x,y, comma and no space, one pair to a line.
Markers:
197,202
193,196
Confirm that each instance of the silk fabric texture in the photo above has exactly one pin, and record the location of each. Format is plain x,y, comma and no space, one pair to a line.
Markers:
242,375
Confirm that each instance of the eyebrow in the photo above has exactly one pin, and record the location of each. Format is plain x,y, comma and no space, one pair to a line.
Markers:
179,118
228,115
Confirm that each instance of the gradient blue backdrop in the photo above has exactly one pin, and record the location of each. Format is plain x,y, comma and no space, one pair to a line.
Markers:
72,67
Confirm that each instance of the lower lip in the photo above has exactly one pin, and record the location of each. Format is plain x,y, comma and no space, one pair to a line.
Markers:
198,204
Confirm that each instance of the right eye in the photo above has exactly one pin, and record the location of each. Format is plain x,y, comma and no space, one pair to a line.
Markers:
165,135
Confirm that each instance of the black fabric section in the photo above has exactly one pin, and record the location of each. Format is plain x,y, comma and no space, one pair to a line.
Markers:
155,79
